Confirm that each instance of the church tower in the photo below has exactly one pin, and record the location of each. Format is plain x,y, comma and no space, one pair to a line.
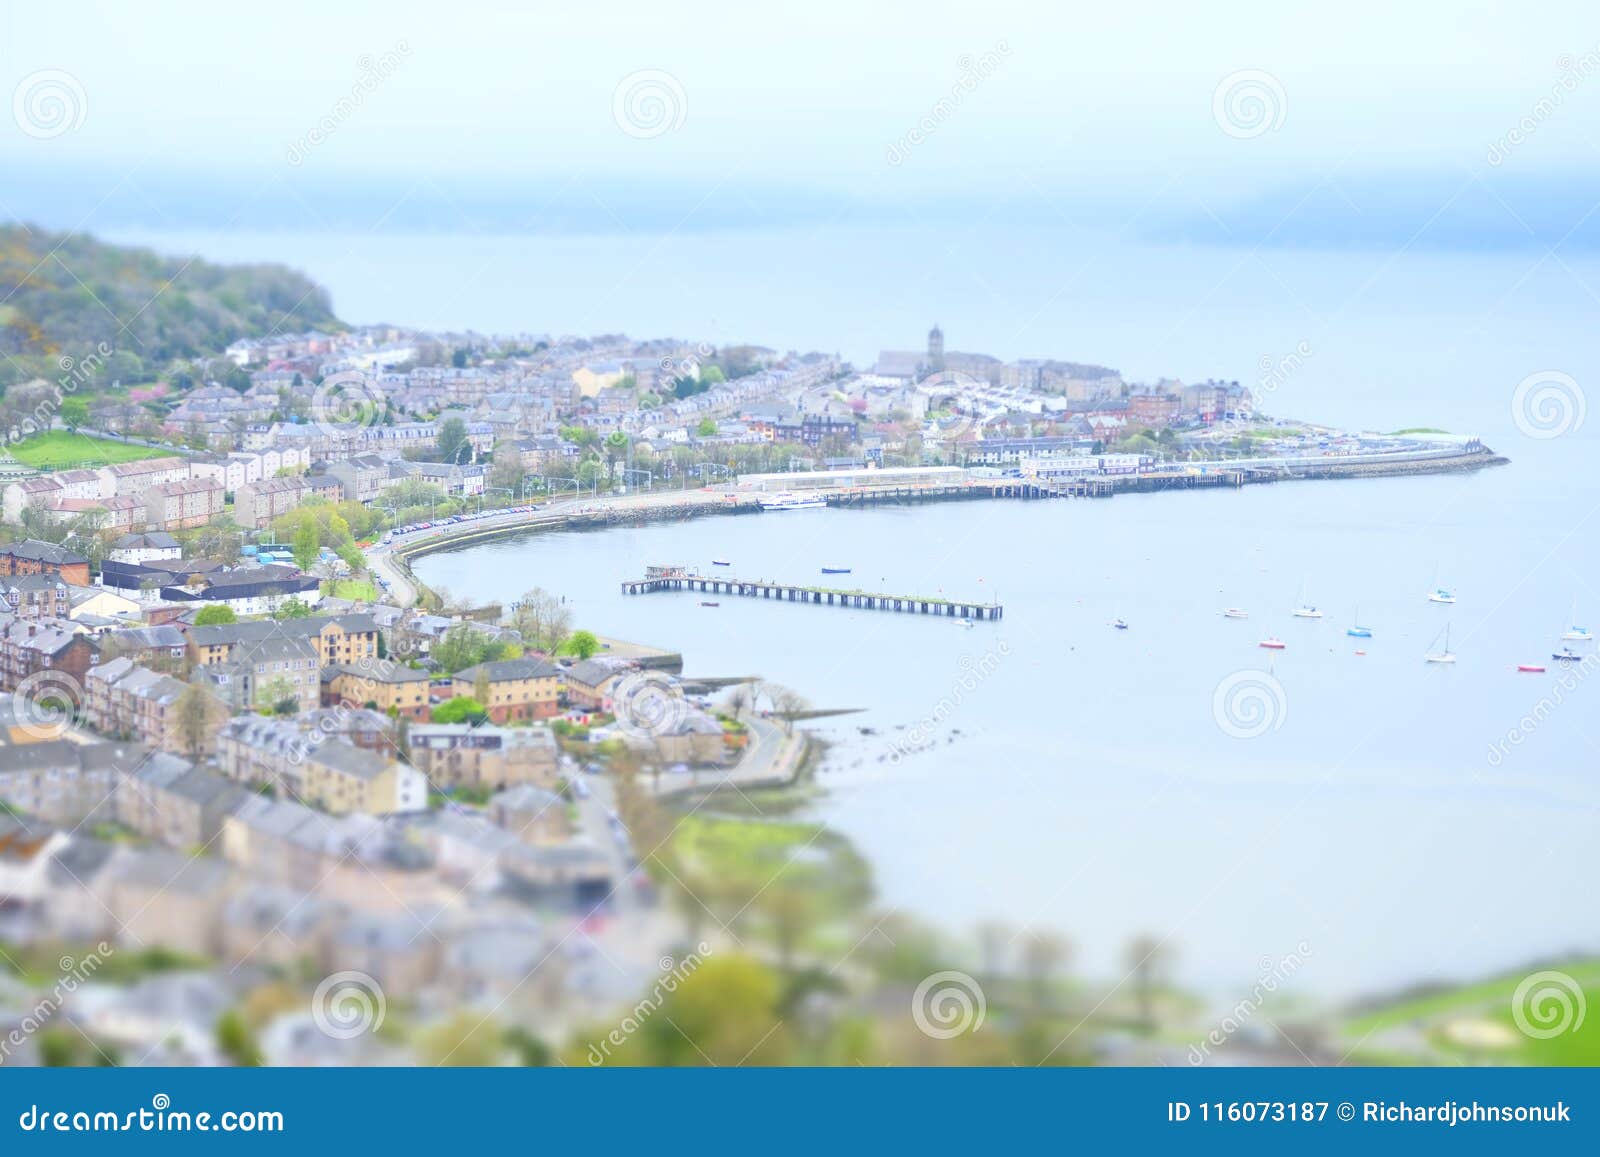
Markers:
935,350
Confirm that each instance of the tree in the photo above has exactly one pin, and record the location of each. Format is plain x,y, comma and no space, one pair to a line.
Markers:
292,609
706,429
452,444
74,413
542,619
1146,959
583,644
196,716
461,709
236,1040
216,615
306,545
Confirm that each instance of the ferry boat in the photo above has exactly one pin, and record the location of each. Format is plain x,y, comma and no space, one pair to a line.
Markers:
787,500
1272,644
720,562
1235,613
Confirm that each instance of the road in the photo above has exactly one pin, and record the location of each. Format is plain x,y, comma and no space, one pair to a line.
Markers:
553,514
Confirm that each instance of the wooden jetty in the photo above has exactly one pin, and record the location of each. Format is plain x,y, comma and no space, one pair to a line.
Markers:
677,578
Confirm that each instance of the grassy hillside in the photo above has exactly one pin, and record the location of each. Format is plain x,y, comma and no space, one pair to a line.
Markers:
60,450
63,294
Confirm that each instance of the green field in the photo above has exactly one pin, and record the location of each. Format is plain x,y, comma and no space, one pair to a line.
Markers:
1476,1024
354,589
60,450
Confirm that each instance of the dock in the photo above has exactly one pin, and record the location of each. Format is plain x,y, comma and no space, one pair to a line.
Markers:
674,578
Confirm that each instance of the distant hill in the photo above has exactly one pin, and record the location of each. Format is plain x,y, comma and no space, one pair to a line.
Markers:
62,294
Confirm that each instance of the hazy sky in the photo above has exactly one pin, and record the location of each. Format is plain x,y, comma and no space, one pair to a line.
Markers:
1085,99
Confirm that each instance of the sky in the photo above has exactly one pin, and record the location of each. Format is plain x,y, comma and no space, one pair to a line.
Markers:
764,113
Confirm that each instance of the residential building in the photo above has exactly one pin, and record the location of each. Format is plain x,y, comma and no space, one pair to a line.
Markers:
465,755
512,688
266,675
176,803
65,782
180,505
386,686
28,647
37,596
153,546
30,557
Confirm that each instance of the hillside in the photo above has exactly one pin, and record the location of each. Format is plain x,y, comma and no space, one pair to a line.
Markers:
62,294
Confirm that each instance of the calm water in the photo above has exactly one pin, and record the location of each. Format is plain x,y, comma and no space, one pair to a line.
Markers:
1090,788
1082,781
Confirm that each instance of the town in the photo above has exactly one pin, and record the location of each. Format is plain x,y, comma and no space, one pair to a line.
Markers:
244,739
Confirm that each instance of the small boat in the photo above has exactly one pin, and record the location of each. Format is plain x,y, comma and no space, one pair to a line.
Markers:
1441,595
1272,644
1303,609
710,604
1531,668
1578,635
967,623
1120,625
1359,651
1356,630
1567,655
720,562
835,570
1445,654
1235,613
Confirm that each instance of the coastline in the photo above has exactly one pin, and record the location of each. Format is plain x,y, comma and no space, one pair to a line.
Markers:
393,563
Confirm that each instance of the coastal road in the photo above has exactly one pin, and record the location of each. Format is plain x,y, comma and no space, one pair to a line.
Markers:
554,514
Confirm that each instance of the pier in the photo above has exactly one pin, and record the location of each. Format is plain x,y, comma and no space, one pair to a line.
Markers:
672,578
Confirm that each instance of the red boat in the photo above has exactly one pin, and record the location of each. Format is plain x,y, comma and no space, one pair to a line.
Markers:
1272,644
1532,668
